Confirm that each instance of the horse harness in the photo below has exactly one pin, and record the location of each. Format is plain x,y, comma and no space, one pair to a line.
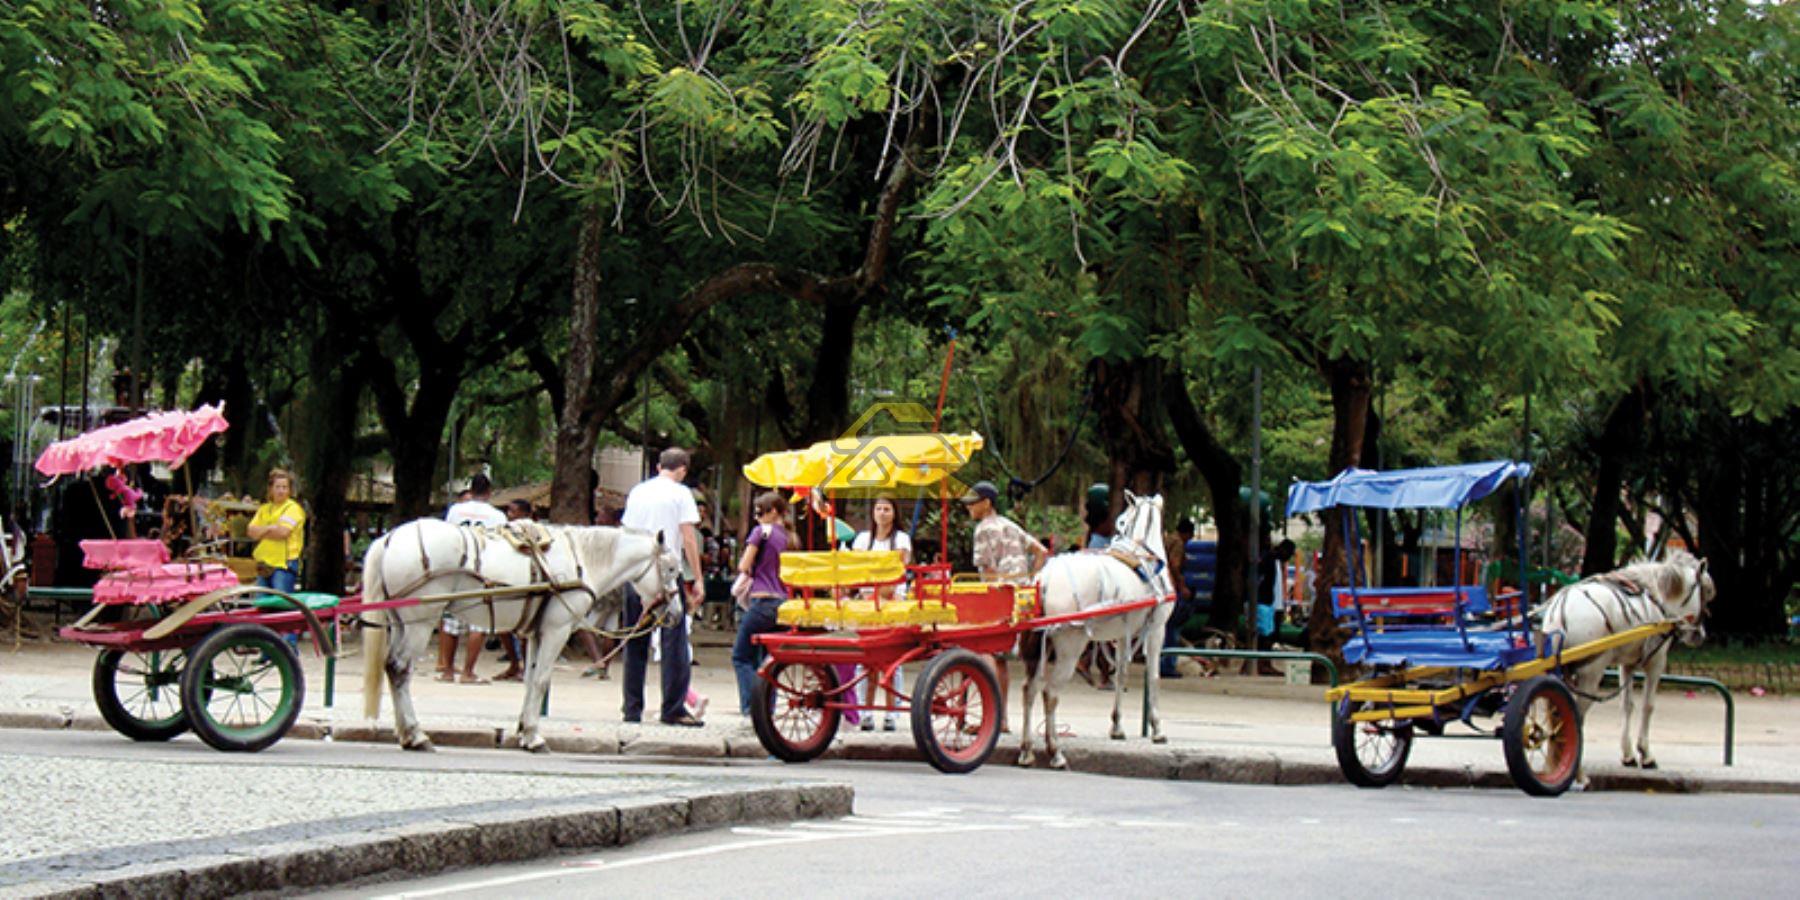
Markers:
1137,557
1627,591
526,538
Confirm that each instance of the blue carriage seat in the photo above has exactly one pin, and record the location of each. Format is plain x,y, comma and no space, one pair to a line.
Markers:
1418,627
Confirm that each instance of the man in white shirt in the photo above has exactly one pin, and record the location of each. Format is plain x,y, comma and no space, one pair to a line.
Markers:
665,505
477,510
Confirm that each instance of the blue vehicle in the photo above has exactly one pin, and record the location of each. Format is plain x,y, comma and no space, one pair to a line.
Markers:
1445,655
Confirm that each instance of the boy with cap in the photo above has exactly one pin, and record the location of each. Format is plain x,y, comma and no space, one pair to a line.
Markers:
1004,552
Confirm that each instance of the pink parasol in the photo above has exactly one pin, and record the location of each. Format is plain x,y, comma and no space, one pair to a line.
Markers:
168,437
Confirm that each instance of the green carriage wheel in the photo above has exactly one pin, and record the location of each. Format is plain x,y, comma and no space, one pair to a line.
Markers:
243,688
139,694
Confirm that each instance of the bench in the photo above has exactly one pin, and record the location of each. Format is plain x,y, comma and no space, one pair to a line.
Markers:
1422,605
1419,627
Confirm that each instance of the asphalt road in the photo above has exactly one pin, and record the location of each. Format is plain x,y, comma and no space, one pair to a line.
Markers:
1007,832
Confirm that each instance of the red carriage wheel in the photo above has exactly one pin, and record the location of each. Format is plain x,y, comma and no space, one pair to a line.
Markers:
957,711
788,708
1542,737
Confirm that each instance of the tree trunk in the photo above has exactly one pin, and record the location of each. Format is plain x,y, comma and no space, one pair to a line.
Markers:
828,396
1350,384
225,381
1127,397
327,466
1746,519
1223,478
577,428
1620,440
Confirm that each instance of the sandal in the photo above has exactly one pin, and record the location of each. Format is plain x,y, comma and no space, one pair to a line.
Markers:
446,677
473,679
510,676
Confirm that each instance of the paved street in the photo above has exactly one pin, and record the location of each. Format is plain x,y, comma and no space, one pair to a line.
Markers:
913,837
107,802
1001,831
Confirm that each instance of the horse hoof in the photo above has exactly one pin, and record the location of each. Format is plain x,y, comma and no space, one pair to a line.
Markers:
1059,763
1027,760
1647,764
1629,762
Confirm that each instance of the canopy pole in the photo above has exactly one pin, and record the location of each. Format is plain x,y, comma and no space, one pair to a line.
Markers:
937,425
1520,507
110,530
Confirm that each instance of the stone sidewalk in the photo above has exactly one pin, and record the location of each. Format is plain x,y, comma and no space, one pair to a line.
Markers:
1229,728
112,827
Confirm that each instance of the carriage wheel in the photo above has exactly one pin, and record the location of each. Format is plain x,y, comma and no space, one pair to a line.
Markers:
243,688
787,707
139,694
1371,754
957,711
1542,737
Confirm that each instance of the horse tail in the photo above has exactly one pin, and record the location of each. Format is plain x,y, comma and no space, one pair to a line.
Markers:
375,634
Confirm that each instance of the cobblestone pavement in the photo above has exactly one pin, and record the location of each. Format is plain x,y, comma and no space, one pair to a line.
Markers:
70,816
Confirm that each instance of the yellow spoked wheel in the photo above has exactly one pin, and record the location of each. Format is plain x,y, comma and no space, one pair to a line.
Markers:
1542,737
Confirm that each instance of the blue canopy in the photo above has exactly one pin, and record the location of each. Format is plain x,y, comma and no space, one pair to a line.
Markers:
1438,487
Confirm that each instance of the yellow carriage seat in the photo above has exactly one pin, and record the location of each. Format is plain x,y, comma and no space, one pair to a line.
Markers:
845,570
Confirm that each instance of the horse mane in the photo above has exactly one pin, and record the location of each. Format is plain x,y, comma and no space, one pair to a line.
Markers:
594,541
1667,576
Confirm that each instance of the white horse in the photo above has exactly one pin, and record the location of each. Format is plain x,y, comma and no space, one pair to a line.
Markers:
430,557
1674,590
1078,582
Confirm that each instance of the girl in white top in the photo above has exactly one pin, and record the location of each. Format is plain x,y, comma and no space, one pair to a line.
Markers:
884,534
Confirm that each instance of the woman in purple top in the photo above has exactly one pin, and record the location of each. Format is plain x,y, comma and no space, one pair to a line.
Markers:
762,562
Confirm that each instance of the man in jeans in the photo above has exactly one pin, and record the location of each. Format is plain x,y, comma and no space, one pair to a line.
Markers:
664,505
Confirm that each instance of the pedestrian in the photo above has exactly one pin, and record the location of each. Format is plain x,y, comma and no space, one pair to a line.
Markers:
1268,574
762,565
663,504
1004,553
884,534
474,508
279,529
1175,550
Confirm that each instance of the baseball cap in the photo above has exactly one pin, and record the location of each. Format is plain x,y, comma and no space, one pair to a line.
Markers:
981,490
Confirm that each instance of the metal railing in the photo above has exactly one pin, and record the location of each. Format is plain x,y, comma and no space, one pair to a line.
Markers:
1694,681
1294,655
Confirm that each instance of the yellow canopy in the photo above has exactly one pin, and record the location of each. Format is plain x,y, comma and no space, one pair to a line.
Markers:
888,461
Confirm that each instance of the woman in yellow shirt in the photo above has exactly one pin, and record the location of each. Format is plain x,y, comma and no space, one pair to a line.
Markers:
279,529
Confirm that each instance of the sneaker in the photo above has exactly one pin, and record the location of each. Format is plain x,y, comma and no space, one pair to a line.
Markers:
868,724
888,724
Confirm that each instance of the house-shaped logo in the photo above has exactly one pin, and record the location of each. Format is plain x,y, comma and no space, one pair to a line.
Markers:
868,467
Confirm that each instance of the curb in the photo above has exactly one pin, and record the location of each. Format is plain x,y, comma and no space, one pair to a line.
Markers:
1136,759
476,839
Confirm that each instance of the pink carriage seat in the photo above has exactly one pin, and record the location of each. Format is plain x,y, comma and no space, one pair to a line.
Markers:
123,554
166,583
